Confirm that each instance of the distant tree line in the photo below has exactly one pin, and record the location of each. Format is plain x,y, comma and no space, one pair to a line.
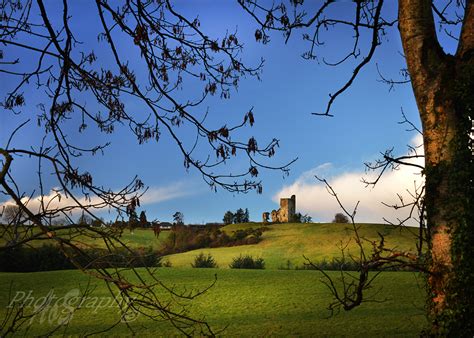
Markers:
240,216
185,238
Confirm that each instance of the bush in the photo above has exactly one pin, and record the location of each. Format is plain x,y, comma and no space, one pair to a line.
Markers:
340,218
203,261
247,262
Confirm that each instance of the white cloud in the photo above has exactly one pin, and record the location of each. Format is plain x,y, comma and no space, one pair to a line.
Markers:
313,198
54,199
169,192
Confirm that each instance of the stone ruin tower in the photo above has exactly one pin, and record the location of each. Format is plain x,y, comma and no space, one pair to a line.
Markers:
287,210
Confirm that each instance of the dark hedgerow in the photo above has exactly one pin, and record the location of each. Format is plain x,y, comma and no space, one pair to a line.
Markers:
50,257
247,262
340,264
203,261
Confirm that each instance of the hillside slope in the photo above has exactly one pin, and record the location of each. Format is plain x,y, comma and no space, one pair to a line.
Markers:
284,245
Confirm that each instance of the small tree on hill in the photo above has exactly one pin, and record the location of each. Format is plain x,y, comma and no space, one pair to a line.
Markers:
143,220
239,216
300,218
228,217
178,218
340,218
246,216
306,218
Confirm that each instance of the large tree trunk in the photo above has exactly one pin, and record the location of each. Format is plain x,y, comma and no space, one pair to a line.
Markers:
443,90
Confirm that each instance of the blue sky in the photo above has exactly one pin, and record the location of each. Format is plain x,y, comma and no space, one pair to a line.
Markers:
365,123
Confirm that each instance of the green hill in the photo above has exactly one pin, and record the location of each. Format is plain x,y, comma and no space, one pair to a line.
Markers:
282,245
285,244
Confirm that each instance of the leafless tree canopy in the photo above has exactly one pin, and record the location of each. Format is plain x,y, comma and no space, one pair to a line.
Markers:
365,21
148,53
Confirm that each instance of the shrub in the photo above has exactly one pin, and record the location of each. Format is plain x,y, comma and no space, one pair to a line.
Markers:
247,262
203,261
340,218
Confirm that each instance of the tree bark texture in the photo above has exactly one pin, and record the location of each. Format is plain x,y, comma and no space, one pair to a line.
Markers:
443,87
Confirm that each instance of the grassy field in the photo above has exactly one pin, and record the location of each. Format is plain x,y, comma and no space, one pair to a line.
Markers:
287,243
140,238
248,302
